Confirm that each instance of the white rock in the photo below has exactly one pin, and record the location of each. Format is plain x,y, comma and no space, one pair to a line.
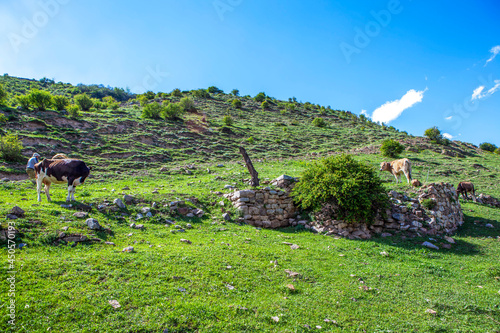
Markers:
430,245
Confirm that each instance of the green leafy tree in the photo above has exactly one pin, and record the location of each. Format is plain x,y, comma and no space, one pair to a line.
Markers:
84,102
3,95
172,111
260,97
201,93
41,99
391,148
353,189
60,102
487,146
23,101
187,104
227,120
10,147
434,134
176,92
236,103
265,105
73,111
152,110
235,92
319,122
215,90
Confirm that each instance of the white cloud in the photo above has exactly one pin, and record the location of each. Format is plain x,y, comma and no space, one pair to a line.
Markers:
494,51
479,94
449,118
448,136
392,110
364,113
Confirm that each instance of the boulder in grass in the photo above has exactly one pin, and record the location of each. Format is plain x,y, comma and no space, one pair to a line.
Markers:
93,224
18,211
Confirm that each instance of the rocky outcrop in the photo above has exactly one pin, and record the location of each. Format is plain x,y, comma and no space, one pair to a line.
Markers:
435,211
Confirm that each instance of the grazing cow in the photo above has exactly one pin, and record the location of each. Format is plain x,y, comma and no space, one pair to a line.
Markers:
60,156
464,187
397,167
63,171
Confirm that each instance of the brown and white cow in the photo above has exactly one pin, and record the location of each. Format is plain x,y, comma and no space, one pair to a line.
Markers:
397,167
58,171
464,187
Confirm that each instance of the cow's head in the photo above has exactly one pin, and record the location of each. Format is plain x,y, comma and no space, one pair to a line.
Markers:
385,166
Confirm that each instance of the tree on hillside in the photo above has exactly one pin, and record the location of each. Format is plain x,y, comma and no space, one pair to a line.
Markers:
215,90
487,146
60,102
3,95
434,134
235,92
84,102
41,99
391,148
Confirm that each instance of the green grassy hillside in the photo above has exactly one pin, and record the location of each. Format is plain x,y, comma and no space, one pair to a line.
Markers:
231,277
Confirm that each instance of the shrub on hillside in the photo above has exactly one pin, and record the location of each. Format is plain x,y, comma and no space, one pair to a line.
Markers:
3,95
41,99
260,97
497,151
201,93
84,102
152,110
3,118
23,101
391,148
235,92
227,120
73,111
172,111
10,147
434,134
319,122
176,92
215,90
265,105
187,104
352,188
236,103
60,102
487,147
149,95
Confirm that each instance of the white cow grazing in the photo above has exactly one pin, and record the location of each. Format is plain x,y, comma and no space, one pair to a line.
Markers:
397,167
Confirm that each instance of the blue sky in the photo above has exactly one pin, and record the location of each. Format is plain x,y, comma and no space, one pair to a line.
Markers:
412,64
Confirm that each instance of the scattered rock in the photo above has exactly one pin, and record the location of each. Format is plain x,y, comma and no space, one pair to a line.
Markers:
431,311
276,318
128,199
386,234
128,249
446,246
430,245
12,216
114,304
81,215
185,241
489,225
189,226
109,243
226,216
189,215
18,211
119,203
93,224
449,239
139,226
294,246
66,206
228,187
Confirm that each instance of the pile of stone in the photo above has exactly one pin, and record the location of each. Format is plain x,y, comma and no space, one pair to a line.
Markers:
266,207
488,200
443,215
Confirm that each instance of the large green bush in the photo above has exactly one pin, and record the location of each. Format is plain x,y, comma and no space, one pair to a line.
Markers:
152,110
201,93
176,92
23,101
352,188
73,111
319,122
434,134
84,102
10,147
265,105
236,103
215,90
391,148
487,146
3,95
260,97
41,99
60,102
172,111
227,120
187,104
